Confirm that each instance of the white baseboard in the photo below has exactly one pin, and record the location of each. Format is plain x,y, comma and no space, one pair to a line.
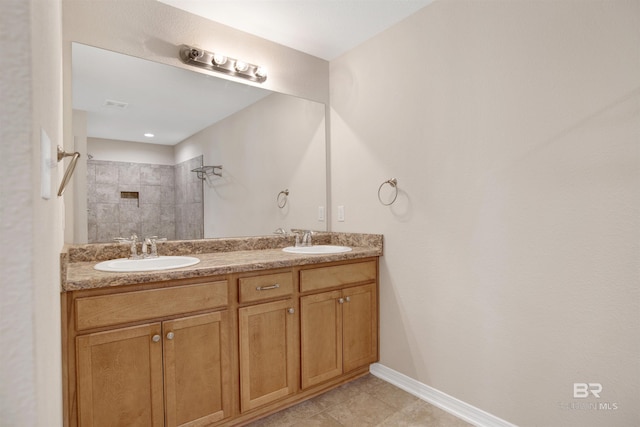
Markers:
456,407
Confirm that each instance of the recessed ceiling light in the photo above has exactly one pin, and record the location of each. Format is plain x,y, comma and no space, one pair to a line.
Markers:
149,135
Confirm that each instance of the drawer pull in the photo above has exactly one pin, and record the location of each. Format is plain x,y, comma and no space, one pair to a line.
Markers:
266,288
155,338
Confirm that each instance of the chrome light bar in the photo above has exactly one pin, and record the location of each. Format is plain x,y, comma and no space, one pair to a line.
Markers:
223,64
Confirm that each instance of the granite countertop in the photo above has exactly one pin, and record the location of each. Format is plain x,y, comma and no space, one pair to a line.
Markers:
241,255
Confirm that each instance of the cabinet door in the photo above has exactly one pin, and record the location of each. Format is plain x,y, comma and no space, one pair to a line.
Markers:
267,353
360,327
321,337
120,377
197,369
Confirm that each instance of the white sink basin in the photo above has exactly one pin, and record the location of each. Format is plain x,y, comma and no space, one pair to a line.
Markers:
317,250
125,265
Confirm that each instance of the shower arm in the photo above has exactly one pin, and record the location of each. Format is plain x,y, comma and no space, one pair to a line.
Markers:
72,166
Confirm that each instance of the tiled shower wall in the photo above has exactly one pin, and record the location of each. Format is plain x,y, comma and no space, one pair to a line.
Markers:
189,205
169,202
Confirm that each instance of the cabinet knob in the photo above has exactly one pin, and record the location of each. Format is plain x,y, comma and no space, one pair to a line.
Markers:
347,299
155,338
170,336
341,301
291,310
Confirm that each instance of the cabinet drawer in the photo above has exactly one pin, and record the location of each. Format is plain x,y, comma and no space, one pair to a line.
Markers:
264,287
114,309
338,275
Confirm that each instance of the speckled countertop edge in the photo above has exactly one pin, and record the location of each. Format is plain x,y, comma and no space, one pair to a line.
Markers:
217,257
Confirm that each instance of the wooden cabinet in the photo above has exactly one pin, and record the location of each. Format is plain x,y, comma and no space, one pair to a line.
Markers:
359,327
320,337
197,371
338,329
114,309
265,287
173,372
120,378
267,353
217,351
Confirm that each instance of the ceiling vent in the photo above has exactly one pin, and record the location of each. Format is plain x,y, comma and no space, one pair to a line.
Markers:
118,105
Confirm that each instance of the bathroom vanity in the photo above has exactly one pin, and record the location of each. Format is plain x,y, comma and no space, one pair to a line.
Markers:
248,331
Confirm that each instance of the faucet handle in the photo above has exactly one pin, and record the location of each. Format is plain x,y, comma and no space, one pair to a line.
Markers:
306,237
133,240
152,241
303,237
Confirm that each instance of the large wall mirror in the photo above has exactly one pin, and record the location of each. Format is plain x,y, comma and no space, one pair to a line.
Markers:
261,155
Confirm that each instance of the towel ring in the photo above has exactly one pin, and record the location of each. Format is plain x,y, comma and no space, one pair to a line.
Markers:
394,184
282,198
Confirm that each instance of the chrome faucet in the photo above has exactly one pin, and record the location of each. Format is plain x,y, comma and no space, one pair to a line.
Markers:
303,238
281,231
134,245
146,243
150,244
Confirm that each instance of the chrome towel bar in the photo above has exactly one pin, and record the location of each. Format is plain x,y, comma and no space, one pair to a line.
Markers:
72,166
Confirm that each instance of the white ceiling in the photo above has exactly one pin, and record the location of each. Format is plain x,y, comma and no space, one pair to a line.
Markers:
169,101
322,28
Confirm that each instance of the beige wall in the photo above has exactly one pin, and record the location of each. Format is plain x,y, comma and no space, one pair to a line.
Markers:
76,218
510,267
511,255
32,228
275,144
132,152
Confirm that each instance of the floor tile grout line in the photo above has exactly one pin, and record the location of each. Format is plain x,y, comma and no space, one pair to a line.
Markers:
348,398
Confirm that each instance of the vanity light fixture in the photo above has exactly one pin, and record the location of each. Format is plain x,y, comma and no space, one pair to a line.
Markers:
149,135
221,63
241,66
261,72
219,59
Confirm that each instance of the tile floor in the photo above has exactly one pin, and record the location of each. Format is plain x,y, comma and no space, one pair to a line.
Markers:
368,401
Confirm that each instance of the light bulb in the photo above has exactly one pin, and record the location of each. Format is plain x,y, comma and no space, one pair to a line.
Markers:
241,66
261,72
195,53
219,59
